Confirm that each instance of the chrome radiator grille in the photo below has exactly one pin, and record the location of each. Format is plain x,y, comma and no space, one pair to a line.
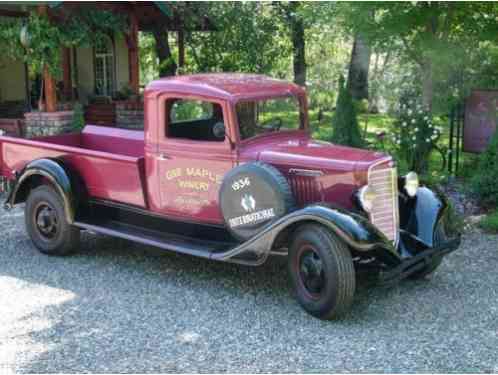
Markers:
385,211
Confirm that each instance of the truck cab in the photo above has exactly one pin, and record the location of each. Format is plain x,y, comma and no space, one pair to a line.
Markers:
226,169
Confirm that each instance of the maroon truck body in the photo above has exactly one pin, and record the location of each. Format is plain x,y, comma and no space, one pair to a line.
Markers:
125,166
232,186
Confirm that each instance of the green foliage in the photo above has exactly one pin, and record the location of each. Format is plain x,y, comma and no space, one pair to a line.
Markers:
78,122
88,27
361,106
441,40
249,40
490,222
125,93
485,180
346,130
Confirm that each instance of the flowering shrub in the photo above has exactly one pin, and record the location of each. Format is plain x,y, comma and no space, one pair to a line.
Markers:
415,135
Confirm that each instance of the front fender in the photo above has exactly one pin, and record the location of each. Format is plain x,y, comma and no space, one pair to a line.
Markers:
420,215
59,176
356,231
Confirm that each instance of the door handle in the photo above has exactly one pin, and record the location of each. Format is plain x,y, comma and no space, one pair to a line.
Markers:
163,157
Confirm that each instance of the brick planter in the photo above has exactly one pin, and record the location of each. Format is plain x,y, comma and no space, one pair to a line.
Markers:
11,127
130,114
39,124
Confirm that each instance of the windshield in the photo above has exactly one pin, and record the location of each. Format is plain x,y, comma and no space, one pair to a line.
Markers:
270,115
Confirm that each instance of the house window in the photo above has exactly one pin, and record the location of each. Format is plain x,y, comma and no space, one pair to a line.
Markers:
104,69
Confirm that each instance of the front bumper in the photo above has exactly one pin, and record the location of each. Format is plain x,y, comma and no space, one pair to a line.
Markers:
413,264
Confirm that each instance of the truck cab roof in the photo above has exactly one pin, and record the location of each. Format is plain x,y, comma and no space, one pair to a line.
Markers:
226,86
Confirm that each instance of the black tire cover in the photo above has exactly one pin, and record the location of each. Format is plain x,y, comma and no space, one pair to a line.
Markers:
252,196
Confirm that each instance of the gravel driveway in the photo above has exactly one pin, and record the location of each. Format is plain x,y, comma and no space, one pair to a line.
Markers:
121,307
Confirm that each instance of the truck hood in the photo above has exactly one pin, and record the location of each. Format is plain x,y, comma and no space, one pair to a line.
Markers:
304,152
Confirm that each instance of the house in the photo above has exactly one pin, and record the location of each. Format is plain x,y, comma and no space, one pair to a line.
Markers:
93,76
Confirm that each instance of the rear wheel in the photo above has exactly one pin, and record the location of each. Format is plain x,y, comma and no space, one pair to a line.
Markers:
322,272
47,225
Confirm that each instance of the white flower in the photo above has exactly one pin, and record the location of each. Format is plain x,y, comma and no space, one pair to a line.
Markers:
426,118
428,140
409,112
398,142
413,121
414,138
404,124
416,130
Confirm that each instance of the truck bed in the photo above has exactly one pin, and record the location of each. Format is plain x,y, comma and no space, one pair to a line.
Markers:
110,160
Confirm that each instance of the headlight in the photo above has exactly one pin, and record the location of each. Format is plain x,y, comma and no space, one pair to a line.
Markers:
366,196
411,184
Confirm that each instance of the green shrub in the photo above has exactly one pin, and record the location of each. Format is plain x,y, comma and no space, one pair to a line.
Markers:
346,130
414,134
485,180
490,222
78,122
361,106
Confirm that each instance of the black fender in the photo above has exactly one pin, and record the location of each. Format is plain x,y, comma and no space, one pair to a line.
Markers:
356,231
420,215
60,176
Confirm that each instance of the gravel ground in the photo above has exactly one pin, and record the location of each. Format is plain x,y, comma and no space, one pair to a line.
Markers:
119,307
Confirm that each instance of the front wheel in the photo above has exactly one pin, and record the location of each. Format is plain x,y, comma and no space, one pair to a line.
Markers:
322,272
47,225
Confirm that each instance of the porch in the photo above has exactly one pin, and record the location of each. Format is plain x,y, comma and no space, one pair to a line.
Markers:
105,79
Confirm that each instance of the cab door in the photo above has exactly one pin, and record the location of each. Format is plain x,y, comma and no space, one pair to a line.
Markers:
193,155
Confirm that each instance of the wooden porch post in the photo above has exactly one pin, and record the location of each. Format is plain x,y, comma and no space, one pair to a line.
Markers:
50,92
66,73
132,41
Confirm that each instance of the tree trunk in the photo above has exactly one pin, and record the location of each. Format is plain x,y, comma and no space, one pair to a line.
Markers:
299,57
167,64
358,69
427,85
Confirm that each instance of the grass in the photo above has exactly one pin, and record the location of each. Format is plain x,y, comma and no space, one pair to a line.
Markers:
373,124
490,222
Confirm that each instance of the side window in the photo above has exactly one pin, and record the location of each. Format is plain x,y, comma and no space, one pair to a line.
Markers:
194,120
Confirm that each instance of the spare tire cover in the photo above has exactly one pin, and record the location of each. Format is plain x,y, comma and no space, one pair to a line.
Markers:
252,196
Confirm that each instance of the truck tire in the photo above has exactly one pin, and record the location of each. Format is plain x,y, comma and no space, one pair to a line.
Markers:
47,225
322,272
252,196
439,237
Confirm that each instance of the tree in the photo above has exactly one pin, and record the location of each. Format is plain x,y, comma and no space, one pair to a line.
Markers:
358,69
290,12
431,35
247,39
167,64
346,130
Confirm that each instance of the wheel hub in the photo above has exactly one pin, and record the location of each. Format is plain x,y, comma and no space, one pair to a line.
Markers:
311,272
46,221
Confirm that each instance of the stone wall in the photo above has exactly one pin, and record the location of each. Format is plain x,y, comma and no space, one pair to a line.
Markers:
39,124
130,115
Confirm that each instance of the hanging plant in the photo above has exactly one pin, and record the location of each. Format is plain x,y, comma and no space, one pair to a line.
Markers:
38,40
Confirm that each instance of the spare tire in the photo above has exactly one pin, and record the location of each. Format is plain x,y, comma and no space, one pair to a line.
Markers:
252,196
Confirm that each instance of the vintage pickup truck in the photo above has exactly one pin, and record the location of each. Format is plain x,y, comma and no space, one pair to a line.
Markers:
226,169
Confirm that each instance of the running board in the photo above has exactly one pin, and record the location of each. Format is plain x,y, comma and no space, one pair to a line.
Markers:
165,241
